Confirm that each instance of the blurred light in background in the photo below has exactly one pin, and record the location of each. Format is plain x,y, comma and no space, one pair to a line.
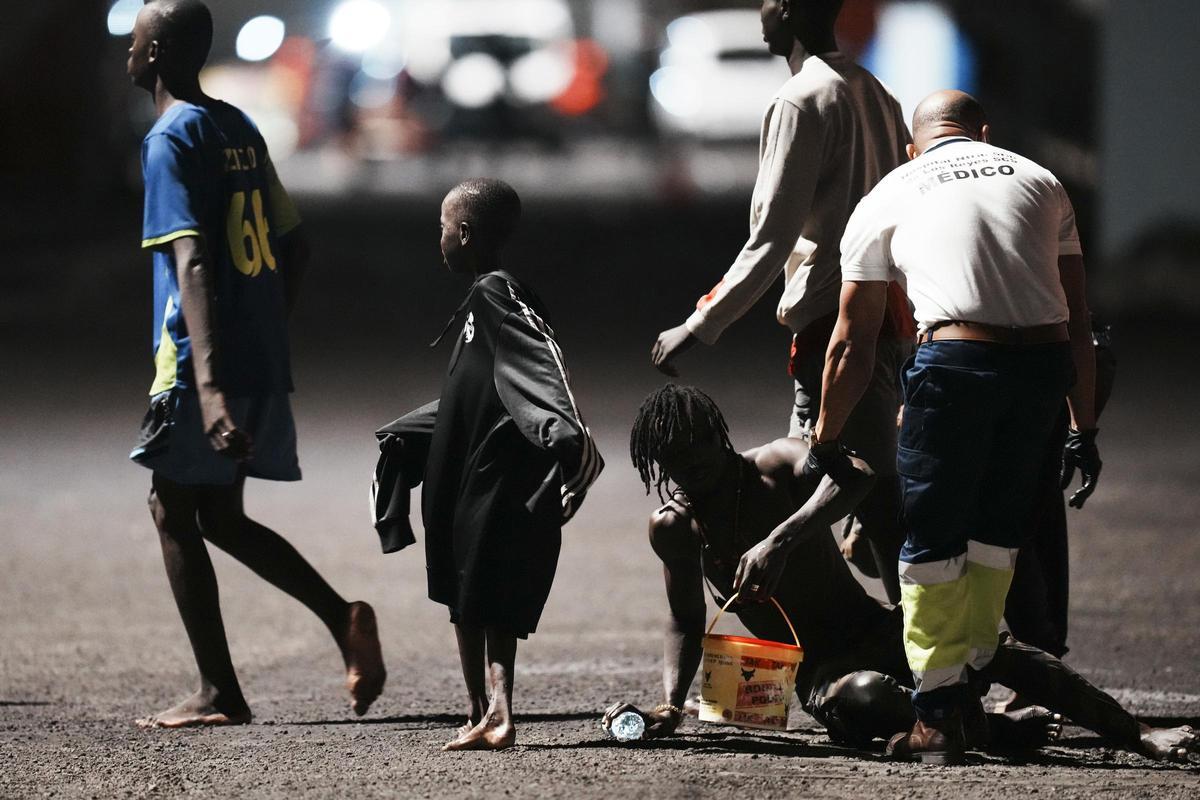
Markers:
369,92
536,19
691,38
260,38
716,76
541,75
384,63
919,49
585,89
122,15
358,25
474,81
676,91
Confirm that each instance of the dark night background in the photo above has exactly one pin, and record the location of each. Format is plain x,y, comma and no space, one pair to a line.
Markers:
625,226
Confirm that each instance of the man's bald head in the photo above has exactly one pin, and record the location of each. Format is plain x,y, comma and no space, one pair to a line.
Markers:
948,113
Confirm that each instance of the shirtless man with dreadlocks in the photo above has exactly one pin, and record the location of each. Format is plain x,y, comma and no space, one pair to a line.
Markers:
727,507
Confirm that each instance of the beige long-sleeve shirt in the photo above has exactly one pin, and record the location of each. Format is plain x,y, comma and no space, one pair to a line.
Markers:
830,134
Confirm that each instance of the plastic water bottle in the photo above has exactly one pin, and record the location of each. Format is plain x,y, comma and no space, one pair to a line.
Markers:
627,727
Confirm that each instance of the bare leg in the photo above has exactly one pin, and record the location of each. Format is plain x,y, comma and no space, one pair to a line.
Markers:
496,731
879,516
471,656
224,523
1028,728
269,555
219,700
1051,683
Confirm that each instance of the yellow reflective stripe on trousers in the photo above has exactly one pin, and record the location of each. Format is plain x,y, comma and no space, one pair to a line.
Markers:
988,590
936,625
952,611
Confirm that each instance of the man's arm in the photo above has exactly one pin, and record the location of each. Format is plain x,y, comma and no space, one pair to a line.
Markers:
850,358
196,301
783,197
1082,397
835,496
673,541
1080,451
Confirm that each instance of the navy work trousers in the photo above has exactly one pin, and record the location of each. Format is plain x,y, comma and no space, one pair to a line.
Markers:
977,420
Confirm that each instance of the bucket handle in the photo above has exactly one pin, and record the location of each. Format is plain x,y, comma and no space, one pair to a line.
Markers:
733,600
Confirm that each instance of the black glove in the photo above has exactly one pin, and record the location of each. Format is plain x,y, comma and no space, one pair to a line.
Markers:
1080,451
832,459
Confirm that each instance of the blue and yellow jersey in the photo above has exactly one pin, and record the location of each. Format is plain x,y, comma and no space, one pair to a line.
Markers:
208,174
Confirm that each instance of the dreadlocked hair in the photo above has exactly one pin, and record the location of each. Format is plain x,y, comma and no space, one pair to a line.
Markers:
666,415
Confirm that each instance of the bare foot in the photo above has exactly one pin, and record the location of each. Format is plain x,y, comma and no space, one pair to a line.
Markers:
491,734
1029,728
1169,744
473,719
365,673
195,711
468,738
1015,703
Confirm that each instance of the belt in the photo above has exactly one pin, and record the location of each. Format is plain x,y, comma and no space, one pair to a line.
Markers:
979,332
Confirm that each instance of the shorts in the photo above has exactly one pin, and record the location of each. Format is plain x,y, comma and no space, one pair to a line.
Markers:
870,431
172,442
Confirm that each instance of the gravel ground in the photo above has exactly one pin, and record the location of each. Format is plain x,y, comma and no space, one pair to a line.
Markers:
89,638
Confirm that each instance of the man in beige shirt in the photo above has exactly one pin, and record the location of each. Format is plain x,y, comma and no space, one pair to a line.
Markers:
831,132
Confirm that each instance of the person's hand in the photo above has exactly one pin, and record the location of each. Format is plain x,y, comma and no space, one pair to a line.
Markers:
759,571
1080,452
671,343
830,458
658,723
223,434
850,539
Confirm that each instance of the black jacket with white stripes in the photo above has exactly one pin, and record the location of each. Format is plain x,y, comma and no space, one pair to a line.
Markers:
505,459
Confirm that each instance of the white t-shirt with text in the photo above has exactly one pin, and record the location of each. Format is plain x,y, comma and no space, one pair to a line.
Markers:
975,232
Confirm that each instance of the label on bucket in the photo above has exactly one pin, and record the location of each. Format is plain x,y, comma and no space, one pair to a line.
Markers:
747,684
762,693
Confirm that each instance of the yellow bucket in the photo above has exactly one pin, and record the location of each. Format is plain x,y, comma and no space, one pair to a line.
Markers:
748,682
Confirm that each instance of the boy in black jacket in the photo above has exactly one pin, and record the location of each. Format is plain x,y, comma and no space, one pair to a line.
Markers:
504,456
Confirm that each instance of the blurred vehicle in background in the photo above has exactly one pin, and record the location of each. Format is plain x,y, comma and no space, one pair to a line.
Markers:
715,77
511,69
374,78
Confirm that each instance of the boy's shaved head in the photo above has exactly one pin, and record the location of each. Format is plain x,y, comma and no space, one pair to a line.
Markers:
184,28
490,206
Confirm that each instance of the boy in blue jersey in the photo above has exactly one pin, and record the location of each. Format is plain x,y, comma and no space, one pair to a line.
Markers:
228,255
